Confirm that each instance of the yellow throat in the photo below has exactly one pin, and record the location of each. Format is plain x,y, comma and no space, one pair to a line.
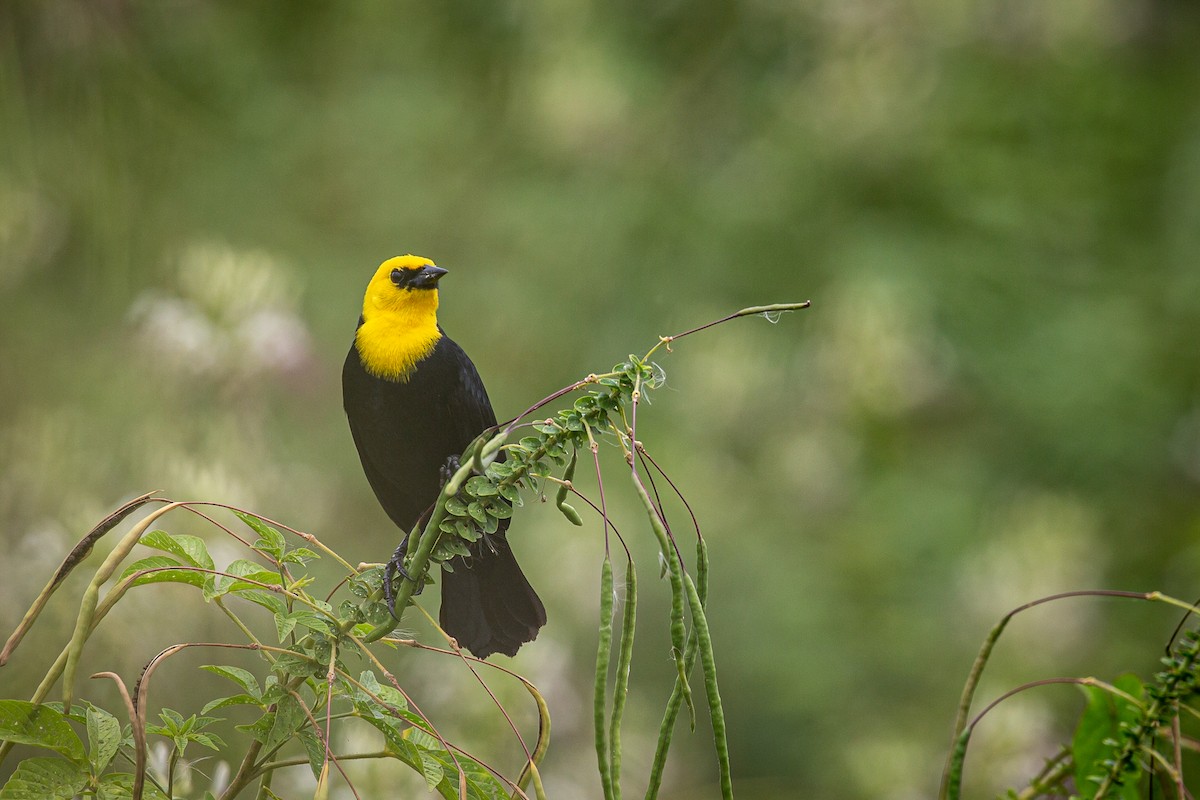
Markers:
399,327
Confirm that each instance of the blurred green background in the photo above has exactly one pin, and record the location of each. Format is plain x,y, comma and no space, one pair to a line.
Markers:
995,208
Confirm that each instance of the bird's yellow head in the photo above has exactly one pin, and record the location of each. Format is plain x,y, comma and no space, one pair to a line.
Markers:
399,326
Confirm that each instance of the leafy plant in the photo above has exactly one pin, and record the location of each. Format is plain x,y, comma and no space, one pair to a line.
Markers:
307,684
1129,732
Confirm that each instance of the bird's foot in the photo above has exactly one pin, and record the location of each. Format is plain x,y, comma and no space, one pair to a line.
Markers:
395,566
448,469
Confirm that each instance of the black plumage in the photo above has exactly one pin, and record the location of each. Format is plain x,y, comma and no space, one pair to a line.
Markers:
405,431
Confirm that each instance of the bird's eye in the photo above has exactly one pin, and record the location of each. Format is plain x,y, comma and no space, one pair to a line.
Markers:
398,277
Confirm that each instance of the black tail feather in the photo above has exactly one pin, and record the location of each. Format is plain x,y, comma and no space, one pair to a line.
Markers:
487,604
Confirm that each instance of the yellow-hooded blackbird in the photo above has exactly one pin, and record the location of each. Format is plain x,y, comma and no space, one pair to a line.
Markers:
415,401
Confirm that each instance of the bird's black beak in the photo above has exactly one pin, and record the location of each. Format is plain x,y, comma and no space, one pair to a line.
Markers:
427,278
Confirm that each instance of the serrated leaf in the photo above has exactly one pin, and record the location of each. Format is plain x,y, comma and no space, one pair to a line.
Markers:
45,778
104,738
191,549
241,677
41,726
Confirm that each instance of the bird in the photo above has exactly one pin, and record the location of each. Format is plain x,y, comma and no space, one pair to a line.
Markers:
414,401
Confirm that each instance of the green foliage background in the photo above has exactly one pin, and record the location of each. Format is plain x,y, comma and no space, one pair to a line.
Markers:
995,208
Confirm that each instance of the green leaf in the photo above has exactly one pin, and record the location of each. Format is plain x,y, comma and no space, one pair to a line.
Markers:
231,700
456,507
241,677
1099,729
260,728
209,740
454,547
41,726
465,531
510,493
296,665
314,749
289,718
480,486
268,600
243,569
500,510
270,540
162,573
119,786
499,470
477,513
432,770
104,738
393,733
301,555
191,549
45,778
286,623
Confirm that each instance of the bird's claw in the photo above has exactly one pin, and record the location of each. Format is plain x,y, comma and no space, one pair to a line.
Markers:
395,566
448,469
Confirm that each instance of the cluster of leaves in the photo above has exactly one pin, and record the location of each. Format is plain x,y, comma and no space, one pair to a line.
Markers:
77,768
1130,731
309,682
487,497
1133,725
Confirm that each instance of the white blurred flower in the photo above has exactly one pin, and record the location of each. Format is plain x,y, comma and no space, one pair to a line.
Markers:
274,340
234,314
176,329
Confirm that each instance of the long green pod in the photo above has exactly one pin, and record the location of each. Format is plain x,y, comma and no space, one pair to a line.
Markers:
666,729
674,572
91,596
600,693
78,553
715,710
560,498
543,744
621,687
